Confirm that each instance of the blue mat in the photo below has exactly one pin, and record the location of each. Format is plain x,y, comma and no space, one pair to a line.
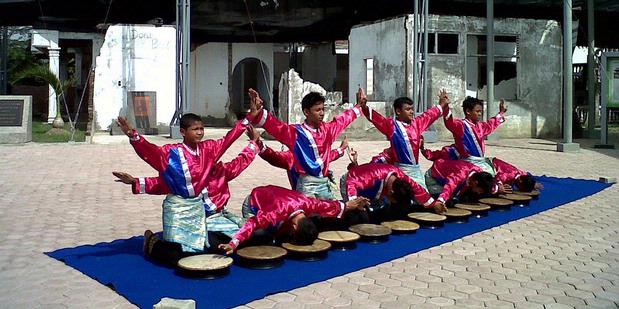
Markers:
121,266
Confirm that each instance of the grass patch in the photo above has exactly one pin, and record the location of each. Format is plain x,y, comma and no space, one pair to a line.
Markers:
41,133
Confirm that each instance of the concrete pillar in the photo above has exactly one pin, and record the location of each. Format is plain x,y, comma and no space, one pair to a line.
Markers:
592,113
415,55
567,145
54,66
491,110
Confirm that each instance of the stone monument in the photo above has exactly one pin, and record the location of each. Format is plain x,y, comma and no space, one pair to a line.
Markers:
15,119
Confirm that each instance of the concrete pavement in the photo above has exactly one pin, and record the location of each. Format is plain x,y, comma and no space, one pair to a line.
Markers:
60,195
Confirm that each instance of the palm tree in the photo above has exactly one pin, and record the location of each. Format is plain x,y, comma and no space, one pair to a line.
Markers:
43,73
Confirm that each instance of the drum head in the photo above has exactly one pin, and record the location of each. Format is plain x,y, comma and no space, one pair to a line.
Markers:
516,197
318,246
371,230
473,207
457,212
426,217
401,226
205,262
262,253
493,201
338,236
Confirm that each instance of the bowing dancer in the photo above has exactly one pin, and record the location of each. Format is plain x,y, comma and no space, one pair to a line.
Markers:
287,212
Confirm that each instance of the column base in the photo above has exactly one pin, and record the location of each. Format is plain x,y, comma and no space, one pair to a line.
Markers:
568,147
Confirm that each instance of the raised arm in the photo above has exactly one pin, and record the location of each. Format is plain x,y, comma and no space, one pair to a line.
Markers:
281,159
217,148
234,168
282,132
426,119
493,123
150,153
341,121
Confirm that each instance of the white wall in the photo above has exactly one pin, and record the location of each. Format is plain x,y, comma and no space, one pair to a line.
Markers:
140,58
385,41
211,74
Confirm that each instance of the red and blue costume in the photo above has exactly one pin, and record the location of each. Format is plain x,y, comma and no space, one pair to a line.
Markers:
285,160
453,176
469,137
217,192
273,205
186,171
404,137
368,180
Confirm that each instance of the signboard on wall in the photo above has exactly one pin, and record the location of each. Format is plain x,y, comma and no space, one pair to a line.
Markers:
612,69
143,107
609,76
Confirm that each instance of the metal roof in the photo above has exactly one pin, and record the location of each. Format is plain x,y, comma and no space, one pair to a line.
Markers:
286,20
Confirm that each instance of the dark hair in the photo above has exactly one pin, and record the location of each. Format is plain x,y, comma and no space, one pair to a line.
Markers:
311,99
469,103
306,232
399,102
188,119
355,216
467,196
402,195
527,183
485,181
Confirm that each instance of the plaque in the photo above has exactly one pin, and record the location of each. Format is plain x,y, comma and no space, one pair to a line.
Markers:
11,112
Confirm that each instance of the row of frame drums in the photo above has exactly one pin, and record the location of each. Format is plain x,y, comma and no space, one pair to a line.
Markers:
265,257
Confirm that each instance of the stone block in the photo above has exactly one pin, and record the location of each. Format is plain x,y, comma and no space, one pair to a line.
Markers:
15,119
171,303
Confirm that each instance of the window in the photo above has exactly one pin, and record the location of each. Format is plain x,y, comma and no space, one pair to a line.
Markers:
369,76
443,43
505,66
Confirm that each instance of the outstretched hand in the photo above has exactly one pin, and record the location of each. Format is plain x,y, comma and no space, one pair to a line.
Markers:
352,155
439,207
124,177
502,106
362,99
344,144
358,203
255,102
253,133
124,125
226,248
539,186
505,188
443,98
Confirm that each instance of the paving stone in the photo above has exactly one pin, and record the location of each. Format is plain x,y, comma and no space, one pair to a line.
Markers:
411,299
468,289
541,299
568,300
441,301
600,303
498,304
482,296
